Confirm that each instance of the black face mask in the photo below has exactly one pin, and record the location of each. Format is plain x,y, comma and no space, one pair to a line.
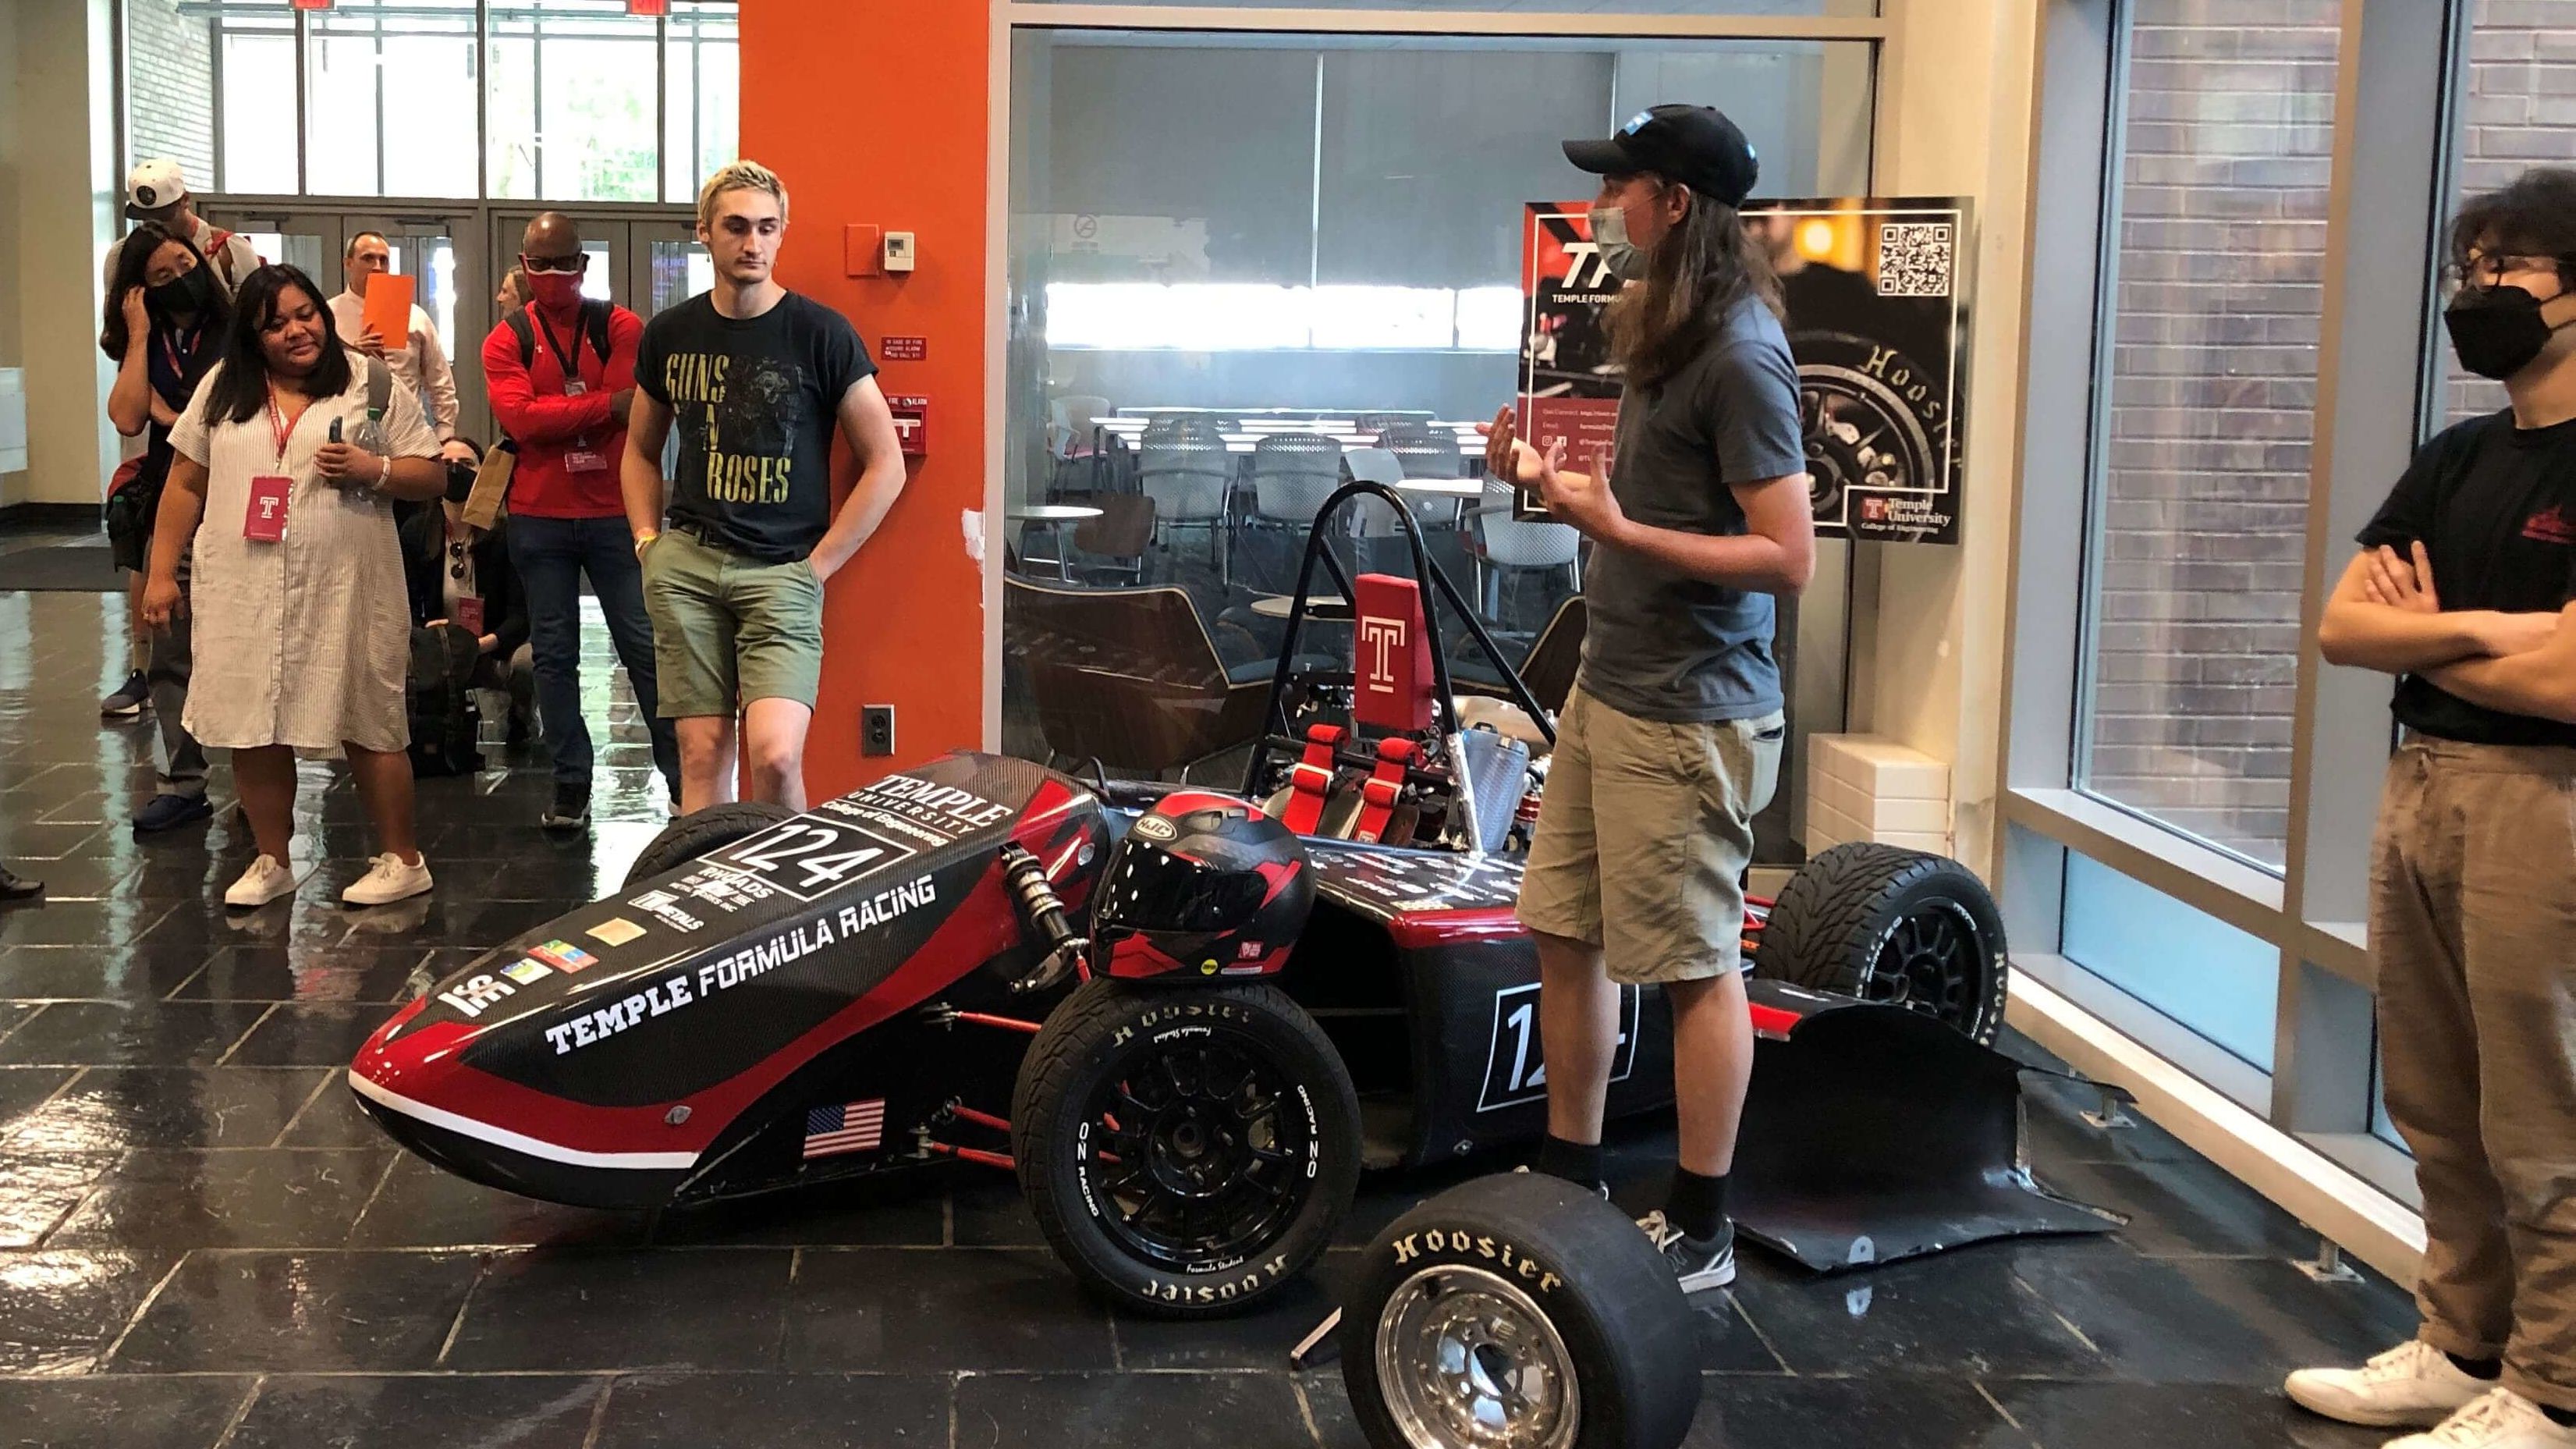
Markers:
2497,331
460,481
182,295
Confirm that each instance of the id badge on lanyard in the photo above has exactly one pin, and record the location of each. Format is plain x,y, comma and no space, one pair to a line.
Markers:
581,457
264,521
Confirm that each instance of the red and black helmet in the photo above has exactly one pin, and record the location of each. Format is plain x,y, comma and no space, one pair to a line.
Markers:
1203,884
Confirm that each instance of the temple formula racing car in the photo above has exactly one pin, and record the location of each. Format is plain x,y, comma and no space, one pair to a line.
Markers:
906,976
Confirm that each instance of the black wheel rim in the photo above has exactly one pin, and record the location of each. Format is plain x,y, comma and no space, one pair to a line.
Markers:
1197,1154
1936,962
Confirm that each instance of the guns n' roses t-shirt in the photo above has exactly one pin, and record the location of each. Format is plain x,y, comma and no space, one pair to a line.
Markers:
755,400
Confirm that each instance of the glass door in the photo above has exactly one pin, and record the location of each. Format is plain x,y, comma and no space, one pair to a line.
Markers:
435,251
676,267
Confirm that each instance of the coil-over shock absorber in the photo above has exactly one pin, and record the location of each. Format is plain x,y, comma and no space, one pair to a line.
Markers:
1042,920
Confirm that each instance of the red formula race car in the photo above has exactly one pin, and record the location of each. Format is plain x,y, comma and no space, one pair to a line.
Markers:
902,976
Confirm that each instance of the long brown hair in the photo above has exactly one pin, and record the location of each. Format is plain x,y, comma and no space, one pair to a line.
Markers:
1704,266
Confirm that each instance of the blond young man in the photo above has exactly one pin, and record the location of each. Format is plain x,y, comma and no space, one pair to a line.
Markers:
757,378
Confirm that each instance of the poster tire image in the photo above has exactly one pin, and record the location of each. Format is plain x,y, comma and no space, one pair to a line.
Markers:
1887,924
701,832
1863,436
1523,1297
1187,1150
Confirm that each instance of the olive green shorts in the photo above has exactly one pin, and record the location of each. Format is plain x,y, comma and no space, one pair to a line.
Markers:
1643,837
728,629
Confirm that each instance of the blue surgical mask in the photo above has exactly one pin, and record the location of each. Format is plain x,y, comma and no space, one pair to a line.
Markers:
1625,259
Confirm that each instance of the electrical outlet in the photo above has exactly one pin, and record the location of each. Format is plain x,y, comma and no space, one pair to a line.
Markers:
876,730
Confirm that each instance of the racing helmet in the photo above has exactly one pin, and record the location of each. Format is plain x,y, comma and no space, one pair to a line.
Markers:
1205,885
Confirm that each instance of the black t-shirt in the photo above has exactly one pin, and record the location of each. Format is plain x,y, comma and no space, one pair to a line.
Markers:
2495,508
755,399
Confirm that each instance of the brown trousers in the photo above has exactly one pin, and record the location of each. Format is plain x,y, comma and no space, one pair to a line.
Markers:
2473,934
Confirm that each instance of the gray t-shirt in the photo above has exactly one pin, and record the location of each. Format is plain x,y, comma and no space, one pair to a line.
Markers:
1661,645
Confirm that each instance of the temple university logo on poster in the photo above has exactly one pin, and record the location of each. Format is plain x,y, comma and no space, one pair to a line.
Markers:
1382,642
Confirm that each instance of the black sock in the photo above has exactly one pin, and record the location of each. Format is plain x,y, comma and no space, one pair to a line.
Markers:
1577,1162
2485,1370
2563,1418
1697,1205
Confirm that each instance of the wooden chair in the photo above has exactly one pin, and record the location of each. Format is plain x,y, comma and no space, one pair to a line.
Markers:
1128,677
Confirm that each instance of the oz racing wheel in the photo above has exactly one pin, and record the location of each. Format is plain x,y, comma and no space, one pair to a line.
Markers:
1186,1150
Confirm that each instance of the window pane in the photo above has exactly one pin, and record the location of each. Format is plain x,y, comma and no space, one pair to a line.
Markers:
572,103
2201,458
2517,103
2193,967
705,108
170,72
257,82
392,99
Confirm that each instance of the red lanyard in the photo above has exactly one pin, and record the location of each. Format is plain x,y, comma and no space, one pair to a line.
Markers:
279,427
170,349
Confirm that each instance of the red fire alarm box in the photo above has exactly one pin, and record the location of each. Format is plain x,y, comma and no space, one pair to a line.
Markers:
911,421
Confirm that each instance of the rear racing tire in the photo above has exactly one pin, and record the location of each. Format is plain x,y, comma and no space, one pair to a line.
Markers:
1519,1309
696,834
1187,1151
1892,925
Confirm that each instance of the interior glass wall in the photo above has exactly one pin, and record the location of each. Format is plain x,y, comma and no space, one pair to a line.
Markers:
1239,261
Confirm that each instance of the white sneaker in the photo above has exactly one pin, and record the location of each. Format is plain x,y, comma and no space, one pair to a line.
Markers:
389,880
2413,1385
2497,1419
265,881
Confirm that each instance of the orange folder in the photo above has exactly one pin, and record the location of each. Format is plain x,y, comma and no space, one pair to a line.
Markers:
388,308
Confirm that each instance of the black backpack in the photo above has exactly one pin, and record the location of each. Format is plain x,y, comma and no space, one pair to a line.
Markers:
594,325
445,725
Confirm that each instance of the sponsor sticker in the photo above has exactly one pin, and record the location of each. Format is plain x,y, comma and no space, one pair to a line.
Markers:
527,973
564,956
665,907
850,1127
615,931
1155,827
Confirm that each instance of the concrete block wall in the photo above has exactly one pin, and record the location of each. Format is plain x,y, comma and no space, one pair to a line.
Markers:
2222,194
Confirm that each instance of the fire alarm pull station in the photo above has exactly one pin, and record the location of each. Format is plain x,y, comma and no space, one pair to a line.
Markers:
898,251
911,422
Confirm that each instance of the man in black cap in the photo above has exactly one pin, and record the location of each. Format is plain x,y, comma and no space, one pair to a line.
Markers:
1670,741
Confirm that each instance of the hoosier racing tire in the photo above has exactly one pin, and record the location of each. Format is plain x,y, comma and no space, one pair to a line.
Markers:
1892,925
696,834
1187,1152
1519,1309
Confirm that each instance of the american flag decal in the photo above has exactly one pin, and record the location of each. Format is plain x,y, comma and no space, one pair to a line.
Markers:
855,1127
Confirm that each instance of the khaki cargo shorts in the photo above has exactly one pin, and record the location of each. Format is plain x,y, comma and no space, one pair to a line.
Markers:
1643,837
729,629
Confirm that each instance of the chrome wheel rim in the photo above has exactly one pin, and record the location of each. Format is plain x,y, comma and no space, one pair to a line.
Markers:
1467,1361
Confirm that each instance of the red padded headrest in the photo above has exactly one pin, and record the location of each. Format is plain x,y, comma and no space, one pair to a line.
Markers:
1392,674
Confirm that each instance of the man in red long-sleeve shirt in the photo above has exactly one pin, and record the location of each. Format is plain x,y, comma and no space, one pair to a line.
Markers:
561,373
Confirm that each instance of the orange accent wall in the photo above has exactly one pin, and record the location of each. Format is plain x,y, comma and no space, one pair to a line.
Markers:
882,117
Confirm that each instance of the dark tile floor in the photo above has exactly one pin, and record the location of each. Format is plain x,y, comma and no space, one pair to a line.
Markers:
202,1244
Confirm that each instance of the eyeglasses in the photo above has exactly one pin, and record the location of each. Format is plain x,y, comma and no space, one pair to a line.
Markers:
2487,271
573,263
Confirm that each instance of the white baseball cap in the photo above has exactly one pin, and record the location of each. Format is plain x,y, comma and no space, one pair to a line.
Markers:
152,185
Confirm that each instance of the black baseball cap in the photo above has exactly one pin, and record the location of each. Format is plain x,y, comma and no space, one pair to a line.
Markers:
1694,145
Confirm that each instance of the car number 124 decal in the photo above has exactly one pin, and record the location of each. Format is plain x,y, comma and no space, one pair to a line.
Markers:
806,857
1515,1070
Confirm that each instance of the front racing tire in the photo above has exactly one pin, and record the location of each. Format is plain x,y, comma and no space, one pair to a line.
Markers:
1892,925
1519,1309
694,835
1187,1150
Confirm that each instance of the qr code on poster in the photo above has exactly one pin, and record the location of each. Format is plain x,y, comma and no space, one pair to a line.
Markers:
1914,259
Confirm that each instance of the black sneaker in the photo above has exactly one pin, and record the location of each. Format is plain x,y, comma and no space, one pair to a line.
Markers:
169,812
18,890
131,699
1700,1263
571,810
